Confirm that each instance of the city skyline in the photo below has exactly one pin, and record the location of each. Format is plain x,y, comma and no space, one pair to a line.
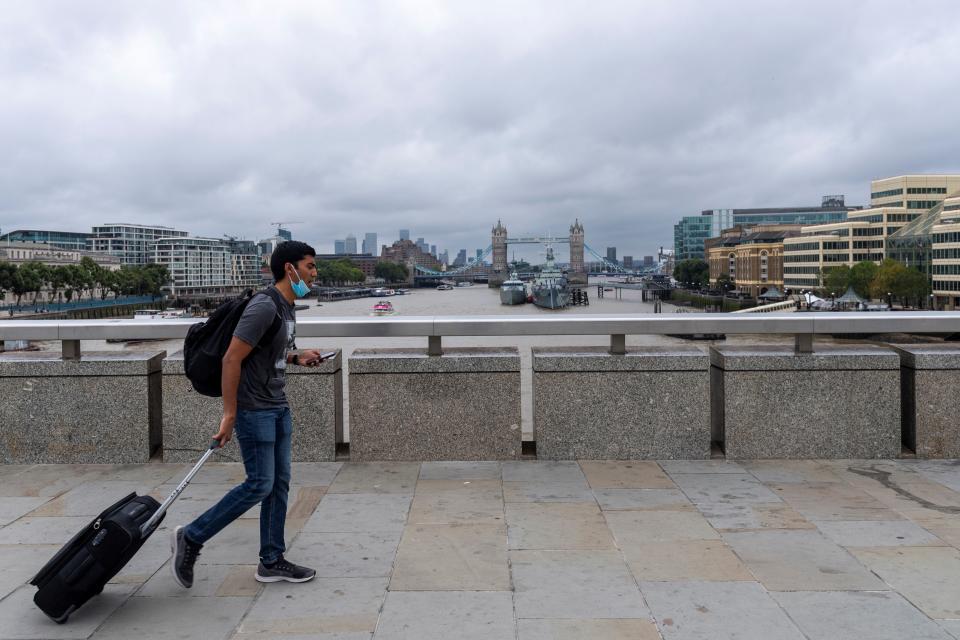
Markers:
443,118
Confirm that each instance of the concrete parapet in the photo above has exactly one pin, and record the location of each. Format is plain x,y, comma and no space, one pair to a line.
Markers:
103,408
315,395
650,403
838,402
463,405
930,381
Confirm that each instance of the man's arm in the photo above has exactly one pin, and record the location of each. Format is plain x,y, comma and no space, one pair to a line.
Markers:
229,382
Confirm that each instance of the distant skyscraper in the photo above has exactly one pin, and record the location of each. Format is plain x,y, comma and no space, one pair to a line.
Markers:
286,234
628,262
404,234
612,254
433,250
339,247
370,244
350,244
461,258
444,257
648,261
479,255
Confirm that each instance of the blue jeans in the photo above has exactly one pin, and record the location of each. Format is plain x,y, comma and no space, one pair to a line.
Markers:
264,438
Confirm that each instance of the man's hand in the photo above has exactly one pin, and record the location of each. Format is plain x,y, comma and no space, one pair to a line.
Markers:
310,357
225,434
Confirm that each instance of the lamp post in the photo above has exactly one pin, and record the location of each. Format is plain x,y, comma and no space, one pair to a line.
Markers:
889,301
933,302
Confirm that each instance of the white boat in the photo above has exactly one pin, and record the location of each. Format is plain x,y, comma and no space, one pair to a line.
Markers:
464,283
445,287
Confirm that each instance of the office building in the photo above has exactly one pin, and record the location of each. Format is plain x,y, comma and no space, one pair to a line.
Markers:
350,244
752,257
370,247
129,242
690,233
71,240
199,267
404,234
461,258
612,255
339,247
366,263
20,252
647,261
628,262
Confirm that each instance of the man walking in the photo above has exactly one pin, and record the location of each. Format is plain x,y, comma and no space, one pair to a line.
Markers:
255,405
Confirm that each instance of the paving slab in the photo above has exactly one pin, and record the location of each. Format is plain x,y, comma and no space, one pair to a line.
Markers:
833,501
790,560
625,474
31,530
13,508
878,533
89,499
208,581
560,525
168,618
686,560
352,555
574,584
926,576
918,500
542,471
20,619
376,477
547,492
850,615
50,479
314,474
633,528
460,470
946,472
20,562
457,557
753,517
721,488
323,607
238,543
151,557
643,500
786,471
360,512
630,629
951,626
946,528
681,467
717,611
441,615
457,501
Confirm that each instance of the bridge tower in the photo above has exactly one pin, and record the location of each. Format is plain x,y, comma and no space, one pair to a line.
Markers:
499,242
578,271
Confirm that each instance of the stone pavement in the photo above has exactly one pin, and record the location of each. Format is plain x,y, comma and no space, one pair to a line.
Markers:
522,550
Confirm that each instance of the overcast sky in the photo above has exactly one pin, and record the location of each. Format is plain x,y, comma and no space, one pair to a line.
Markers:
441,117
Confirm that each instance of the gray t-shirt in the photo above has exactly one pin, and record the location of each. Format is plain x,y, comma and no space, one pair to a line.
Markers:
262,376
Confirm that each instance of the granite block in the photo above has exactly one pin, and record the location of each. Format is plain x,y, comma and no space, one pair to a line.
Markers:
315,395
104,408
930,379
646,404
464,405
837,403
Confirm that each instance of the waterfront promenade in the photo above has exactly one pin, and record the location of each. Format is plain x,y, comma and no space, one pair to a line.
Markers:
524,550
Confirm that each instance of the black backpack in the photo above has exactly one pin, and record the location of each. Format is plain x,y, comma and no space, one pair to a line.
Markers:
207,342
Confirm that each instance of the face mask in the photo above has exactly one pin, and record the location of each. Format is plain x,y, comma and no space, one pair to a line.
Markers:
300,289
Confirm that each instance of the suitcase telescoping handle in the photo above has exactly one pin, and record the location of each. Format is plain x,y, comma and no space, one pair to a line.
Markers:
150,524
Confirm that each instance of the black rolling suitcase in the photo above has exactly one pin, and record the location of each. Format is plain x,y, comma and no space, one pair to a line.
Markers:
83,567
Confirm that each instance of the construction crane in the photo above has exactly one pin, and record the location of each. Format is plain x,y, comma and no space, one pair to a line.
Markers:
279,225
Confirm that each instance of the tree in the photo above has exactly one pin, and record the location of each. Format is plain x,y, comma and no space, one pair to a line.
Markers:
8,272
725,282
861,276
391,271
693,272
836,279
29,278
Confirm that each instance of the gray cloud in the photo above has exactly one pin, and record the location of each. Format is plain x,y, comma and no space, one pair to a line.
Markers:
221,117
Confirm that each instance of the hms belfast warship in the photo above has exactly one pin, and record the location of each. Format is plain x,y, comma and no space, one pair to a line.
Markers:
550,289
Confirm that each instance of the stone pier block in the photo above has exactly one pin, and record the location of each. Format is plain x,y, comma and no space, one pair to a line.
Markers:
930,387
104,408
463,405
650,403
839,402
315,395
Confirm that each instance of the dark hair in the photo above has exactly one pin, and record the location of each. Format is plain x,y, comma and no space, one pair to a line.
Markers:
291,251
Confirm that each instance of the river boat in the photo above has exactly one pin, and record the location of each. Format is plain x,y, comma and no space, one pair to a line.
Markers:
445,287
513,291
383,308
464,283
550,290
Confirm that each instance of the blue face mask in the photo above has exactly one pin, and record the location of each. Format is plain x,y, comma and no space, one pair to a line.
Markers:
300,289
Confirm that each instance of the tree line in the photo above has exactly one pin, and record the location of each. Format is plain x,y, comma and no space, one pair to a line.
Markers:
343,271
76,280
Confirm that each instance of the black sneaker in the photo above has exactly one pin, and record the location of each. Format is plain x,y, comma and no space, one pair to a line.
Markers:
283,570
185,554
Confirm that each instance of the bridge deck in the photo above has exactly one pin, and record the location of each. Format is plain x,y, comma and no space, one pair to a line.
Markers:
701,549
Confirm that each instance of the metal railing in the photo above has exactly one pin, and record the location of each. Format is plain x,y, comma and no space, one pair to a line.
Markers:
803,326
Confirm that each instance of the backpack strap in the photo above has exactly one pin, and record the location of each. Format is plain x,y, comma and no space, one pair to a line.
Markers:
278,299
